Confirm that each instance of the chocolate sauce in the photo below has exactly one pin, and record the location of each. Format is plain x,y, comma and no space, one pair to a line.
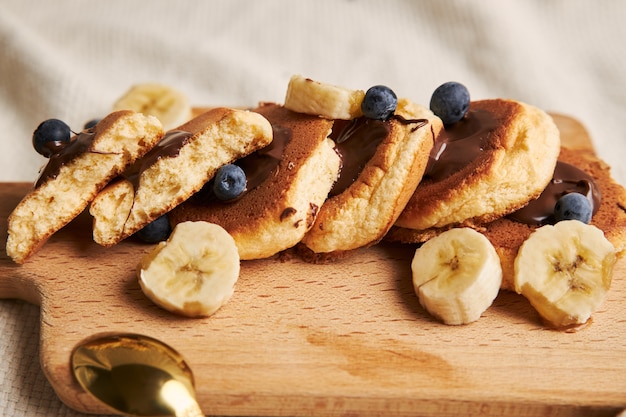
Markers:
459,144
288,212
417,122
80,144
168,147
356,142
566,179
259,165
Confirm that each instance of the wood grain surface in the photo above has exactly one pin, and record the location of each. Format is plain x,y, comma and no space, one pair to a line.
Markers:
344,339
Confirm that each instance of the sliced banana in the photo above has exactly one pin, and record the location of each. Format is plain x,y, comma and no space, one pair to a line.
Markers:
194,272
565,271
320,99
457,275
170,106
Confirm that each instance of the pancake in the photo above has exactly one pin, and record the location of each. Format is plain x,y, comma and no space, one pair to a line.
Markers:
366,201
500,156
75,175
287,184
175,169
509,232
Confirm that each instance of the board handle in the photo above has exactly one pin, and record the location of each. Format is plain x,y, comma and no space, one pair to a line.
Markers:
14,286
15,281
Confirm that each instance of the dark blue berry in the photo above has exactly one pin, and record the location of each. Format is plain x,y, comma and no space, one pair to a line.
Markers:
230,182
573,206
379,103
156,231
91,123
51,136
450,102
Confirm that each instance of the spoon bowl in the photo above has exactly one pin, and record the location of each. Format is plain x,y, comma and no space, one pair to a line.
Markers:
136,375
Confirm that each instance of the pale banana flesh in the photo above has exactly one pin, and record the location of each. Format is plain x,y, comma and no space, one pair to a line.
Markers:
321,99
457,275
168,105
194,272
565,271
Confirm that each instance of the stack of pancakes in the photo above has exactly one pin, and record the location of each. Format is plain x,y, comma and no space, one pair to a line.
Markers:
501,157
339,185
328,187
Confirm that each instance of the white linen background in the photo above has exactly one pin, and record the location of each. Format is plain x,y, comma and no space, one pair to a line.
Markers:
71,59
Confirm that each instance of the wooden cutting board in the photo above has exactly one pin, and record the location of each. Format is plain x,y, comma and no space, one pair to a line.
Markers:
345,339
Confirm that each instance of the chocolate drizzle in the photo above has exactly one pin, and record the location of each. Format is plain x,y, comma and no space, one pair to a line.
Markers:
566,179
259,165
459,144
168,147
356,142
80,144
418,122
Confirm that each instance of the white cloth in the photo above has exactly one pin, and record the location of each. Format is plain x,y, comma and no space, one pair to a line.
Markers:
70,59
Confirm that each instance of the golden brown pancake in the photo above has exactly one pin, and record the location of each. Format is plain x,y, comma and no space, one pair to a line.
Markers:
175,169
500,156
284,196
361,213
507,234
73,177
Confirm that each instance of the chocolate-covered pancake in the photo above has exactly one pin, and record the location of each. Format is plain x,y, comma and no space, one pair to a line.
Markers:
391,157
287,184
500,156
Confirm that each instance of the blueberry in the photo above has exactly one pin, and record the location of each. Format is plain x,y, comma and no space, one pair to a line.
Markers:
450,102
379,103
230,182
156,231
573,206
51,136
91,123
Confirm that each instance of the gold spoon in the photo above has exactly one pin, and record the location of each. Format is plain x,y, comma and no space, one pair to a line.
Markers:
136,376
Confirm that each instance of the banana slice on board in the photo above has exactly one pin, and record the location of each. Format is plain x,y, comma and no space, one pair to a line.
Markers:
320,99
194,272
457,275
168,105
565,271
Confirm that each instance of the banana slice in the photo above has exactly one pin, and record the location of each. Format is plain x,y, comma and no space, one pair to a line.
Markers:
457,275
329,101
170,106
194,272
565,271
